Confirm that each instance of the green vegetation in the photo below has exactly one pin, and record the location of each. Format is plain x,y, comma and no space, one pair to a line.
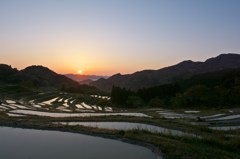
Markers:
218,89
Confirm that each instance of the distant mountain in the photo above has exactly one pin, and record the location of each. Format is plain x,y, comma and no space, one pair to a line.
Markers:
37,75
182,70
86,78
87,81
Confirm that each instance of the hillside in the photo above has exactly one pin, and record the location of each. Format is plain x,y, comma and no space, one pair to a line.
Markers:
180,71
220,89
6,71
36,76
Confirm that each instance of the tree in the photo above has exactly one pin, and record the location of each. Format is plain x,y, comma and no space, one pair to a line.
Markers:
134,101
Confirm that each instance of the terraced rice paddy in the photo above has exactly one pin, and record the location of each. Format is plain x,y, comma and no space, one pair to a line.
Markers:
66,105
128,126
229,120
59,105
82,113
172,115
59,115
53,102
228,117
224,128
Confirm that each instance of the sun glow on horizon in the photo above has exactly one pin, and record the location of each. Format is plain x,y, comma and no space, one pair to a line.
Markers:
129,37
80,72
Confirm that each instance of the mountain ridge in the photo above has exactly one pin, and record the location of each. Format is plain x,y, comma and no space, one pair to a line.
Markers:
182,70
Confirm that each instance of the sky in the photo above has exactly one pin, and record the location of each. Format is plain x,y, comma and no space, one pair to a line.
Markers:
105,37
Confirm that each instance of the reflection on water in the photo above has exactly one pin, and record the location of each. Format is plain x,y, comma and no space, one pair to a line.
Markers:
225,128
227,117
39,144
48,114
128,126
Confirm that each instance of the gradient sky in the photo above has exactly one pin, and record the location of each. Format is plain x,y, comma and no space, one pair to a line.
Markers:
105,37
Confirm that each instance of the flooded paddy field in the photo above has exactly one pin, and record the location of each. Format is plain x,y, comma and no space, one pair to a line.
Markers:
38,144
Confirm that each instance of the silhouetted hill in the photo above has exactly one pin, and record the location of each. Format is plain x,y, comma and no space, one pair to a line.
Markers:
182,70
6,71
46,77
38,76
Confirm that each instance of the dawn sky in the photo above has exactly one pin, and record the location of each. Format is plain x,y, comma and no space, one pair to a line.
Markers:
105,37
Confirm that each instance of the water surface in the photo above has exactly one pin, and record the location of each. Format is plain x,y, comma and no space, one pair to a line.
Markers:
38,144
224,128
49,114
128,126
229,117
